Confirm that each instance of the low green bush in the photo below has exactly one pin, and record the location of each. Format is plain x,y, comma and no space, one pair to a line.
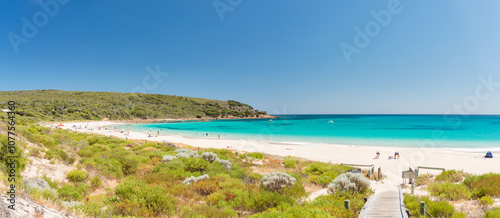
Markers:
435,208
450,176
424,179
207,211
268,199
459,215
53,184
149,199
71,192
256,155
486,200
334,204
331,170
450,191
495,213
323,180
317,168
196,164
95,182
77,175
296,211
441,209
484,185
290,162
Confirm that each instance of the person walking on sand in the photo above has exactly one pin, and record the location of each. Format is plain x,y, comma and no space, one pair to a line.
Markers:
396,155
377,156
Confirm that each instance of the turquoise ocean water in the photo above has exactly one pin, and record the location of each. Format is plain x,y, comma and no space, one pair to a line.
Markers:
480,132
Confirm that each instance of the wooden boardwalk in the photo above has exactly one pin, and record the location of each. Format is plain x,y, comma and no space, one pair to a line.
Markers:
383,204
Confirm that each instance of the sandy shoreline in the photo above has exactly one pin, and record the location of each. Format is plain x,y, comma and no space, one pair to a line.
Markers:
470,162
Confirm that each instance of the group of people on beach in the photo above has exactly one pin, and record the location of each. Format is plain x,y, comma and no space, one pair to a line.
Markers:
396,155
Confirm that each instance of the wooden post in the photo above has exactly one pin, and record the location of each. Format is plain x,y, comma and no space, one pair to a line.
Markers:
379,174
347,204
412,189
422,208
369,174
198,149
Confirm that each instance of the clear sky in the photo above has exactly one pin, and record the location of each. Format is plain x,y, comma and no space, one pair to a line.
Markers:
279,56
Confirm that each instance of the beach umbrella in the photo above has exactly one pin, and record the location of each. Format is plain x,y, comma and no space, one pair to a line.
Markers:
60,124
74,125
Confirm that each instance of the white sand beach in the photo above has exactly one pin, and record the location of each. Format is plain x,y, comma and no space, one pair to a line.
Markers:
392,168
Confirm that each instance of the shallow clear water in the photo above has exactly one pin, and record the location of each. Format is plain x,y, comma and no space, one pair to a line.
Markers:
466,132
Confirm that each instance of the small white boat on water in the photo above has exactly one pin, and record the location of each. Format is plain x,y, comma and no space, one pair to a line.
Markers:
330,121
271,120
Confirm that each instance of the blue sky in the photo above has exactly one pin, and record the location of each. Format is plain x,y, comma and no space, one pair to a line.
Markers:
279,56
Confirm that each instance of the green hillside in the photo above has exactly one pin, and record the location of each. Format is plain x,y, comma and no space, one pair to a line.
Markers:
56,105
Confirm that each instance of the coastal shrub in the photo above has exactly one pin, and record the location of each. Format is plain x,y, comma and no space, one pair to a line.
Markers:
40,189
441,209
459,215
192,179
39,184
317,168
450,191
77,175
216,169
148,199
290,162
486,200
183,152
170,165
225,163
275,181
209,156
95,182
349,182
206,186
70,192
71,204
296,211
53,184
424,179
435,208
195,164
95,209
264,200
207,211
323,180
129,163
494,213
484,185
107,166
256,155
334,204
450,176
167,158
